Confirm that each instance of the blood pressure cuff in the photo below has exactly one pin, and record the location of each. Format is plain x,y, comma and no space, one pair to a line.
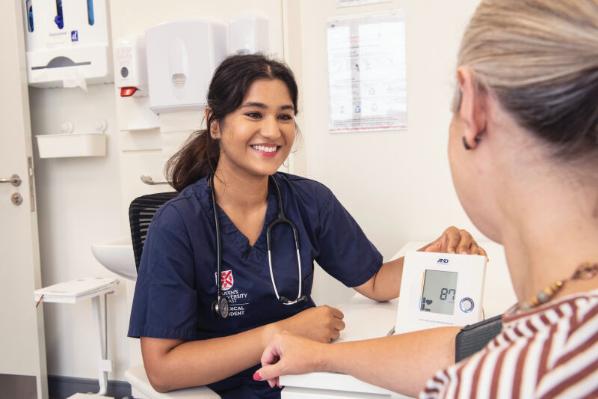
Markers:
474,337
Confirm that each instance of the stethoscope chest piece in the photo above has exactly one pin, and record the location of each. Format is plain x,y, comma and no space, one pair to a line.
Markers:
220,307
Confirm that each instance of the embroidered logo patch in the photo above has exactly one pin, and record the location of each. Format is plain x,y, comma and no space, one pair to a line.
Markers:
226,280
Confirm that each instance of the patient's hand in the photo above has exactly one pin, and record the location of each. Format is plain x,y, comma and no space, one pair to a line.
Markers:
289,354
455,241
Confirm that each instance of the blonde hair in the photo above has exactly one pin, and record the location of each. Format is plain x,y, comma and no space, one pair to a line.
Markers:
540,58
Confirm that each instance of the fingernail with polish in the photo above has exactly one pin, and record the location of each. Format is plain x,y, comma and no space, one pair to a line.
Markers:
257,376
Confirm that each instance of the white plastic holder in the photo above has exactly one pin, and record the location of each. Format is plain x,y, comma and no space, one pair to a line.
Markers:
69,145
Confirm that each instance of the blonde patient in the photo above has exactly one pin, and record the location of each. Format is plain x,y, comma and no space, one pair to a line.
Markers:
523,149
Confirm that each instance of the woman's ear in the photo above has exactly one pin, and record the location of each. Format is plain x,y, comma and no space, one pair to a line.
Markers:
473,108
214,126
215,132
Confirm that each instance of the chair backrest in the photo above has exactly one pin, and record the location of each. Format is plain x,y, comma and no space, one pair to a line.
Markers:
141,213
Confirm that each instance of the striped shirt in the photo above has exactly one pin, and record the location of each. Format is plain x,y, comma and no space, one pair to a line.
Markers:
551,351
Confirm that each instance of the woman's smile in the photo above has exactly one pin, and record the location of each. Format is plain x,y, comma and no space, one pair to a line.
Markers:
266,150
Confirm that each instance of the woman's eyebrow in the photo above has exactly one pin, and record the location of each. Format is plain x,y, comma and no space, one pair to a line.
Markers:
264,106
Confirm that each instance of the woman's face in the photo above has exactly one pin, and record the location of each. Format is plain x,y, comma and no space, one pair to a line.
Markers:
257,137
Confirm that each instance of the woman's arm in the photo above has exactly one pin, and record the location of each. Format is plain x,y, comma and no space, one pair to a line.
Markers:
174,364
400,363
386,283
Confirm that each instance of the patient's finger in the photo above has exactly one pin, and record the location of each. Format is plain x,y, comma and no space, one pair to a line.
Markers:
435,246
465,242
481,251
452,237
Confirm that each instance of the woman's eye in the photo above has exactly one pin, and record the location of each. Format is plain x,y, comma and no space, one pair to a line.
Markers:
285,117
254,115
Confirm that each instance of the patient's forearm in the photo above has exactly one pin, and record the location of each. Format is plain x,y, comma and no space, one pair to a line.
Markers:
401,363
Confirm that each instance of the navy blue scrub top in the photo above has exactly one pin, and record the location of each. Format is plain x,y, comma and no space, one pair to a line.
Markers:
176,284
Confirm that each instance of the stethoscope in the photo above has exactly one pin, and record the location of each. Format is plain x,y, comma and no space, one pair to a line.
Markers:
221,304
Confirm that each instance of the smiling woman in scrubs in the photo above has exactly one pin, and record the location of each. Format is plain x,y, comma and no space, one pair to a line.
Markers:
252,103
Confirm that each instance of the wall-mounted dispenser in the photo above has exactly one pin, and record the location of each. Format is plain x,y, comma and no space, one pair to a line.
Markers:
181,58
249,34
67,42
130,71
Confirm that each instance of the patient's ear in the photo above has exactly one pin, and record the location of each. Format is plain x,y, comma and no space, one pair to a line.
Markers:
473,108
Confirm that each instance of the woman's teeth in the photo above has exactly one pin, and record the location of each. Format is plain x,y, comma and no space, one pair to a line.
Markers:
264,148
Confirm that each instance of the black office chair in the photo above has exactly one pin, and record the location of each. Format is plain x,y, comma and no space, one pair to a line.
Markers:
141,213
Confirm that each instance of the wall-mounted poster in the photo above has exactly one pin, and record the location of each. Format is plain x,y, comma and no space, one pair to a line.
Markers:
367,73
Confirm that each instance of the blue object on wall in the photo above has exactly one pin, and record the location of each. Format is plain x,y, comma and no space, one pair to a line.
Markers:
59,18
29,9
90,14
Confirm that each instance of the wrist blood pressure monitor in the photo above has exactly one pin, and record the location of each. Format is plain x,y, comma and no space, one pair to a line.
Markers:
439,289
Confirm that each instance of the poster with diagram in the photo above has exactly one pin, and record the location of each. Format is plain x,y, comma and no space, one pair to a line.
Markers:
367,73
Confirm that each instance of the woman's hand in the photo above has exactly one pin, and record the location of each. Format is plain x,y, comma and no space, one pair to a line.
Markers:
289,354
322,323
455,241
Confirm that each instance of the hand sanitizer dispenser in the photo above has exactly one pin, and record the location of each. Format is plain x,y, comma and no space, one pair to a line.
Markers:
130,71
181,58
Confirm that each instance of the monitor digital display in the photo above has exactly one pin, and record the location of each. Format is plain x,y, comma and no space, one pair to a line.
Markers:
438,294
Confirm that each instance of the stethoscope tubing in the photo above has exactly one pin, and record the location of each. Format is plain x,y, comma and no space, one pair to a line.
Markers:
218,305
281,219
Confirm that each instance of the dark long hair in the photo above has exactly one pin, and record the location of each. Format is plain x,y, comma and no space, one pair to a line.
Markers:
231,81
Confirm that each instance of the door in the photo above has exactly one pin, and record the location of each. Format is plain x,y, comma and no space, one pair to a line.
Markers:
22,346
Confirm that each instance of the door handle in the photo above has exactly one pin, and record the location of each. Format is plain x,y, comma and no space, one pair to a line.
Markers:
15,180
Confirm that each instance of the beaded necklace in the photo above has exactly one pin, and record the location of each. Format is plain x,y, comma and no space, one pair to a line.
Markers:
585,271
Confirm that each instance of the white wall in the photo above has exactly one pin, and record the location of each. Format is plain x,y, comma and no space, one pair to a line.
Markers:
79,203
396,184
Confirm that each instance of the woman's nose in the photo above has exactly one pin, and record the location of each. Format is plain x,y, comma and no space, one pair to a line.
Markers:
270,128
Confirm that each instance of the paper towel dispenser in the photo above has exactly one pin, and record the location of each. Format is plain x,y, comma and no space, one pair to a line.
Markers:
181,58
67,42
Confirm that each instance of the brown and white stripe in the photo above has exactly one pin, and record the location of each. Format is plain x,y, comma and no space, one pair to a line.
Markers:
549,352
